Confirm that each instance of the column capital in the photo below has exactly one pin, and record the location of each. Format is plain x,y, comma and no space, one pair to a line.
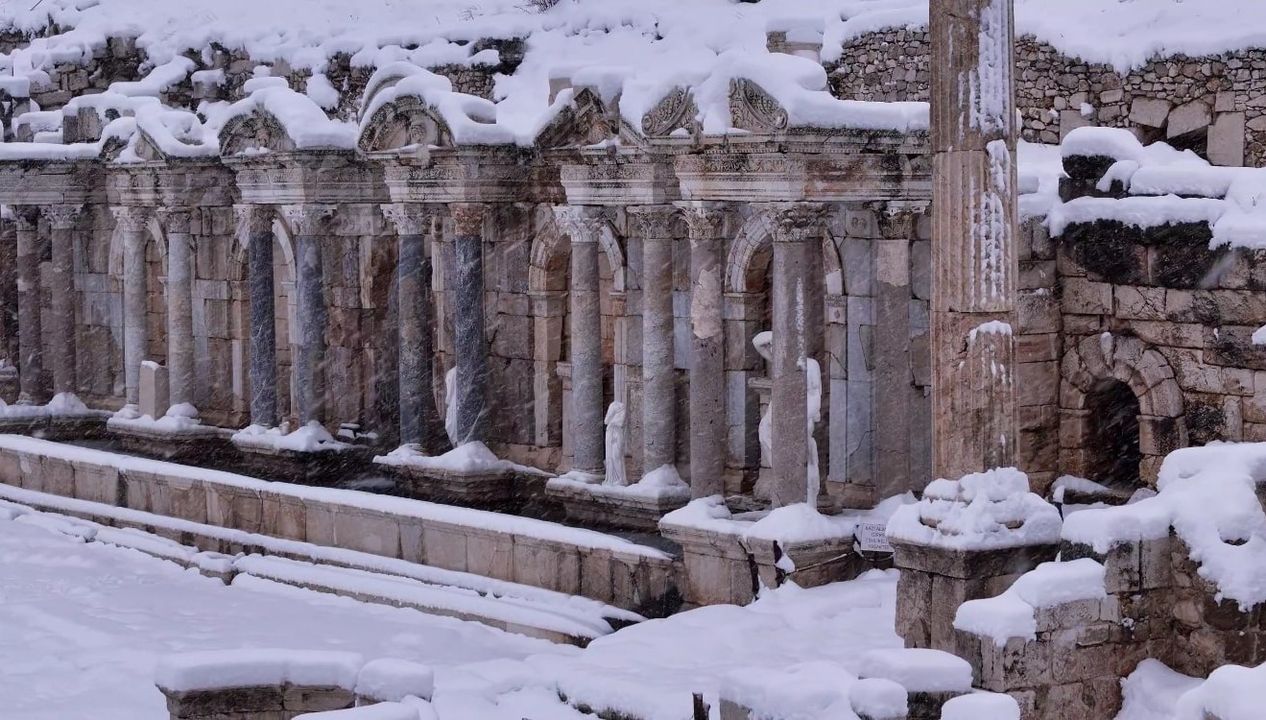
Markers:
581,223
62,217
797,221
307,219
413,218
27,217
468,218
131,218
253,219
657,221
705,220
175,220
898,219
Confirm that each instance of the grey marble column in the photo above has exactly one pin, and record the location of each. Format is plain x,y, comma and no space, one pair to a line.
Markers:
797,231
180,364
659,226
30,328
9,292
708,424
62,221
255,228
131,223
418,414
309,223
584,225
469,341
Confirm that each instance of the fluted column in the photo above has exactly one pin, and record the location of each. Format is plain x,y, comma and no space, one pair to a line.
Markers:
469,341
131,222
797,228
62,221
974,261
418,414
659,226
584,225
706,223
180,365
256,231
31,386
309,223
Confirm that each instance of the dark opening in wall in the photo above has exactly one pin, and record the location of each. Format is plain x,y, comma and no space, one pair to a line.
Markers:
1113,444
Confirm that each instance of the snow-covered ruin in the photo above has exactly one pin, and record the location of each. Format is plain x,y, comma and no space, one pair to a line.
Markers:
572,314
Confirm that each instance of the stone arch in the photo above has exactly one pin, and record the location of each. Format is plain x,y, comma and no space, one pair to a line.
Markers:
154,233
1096,362
404,121
252,132
547,241
755,235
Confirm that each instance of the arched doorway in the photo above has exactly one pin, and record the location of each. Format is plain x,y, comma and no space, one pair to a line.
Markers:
1112,442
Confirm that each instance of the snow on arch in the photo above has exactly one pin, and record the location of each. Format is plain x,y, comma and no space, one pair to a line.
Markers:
278,119
756,234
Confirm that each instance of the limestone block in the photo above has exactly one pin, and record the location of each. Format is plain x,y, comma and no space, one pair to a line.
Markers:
155,397
1037,347
1151,112
1187,118
445,547
1037,383
1070,120
1140,303
489,554
56,476
545,564
1037,312
284,516
1083,297
96,483
319,527
1226,140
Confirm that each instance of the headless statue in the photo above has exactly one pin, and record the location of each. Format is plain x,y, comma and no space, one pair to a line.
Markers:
450,405
615,445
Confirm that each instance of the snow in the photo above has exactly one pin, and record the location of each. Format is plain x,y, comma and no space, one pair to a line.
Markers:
309,438
388,679
919,670
62,405
304,122
254,667
818,690
993,509
1152,691
1011,614
795,523
471,457
377,711
981,706
1230,693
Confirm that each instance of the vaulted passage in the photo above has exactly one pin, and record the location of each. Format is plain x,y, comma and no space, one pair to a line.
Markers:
1114,435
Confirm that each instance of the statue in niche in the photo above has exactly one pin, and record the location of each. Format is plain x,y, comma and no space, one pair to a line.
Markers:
450,405
764,344
615,445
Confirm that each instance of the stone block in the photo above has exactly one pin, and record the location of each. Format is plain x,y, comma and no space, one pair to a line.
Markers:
1227,140
155,398
1037,312
1037,383
1151,112
1140,303
546,564
366,531
1083,297
490,554
1188,118
96,483
445,547
284,516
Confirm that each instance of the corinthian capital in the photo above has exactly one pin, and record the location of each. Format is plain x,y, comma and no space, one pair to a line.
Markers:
797,222
131,219
27,217
657,221
706,220
253,220
174,220
581,223
307,219
62,217
413,218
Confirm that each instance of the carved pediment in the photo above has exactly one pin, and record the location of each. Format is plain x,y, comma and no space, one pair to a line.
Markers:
675,111
403,122
587,121
258,131
753,109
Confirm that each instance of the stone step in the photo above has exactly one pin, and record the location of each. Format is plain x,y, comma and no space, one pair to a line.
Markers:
506,606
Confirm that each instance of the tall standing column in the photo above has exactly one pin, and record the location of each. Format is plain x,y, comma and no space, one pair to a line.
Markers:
62,221
309,223
31,386
659,228
974,261
469,342
418,415
8,292
797,228
180,367
706,223
255,228
131,222
584,225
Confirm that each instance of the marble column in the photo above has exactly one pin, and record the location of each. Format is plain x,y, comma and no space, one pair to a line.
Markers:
469,341
256,232
708,422
62,221
30,359
659,226
8,292
584,226
180,259
131,223
974,260
797,231
309,223
418,414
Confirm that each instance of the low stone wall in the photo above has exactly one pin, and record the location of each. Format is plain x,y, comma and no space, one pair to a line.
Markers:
520,550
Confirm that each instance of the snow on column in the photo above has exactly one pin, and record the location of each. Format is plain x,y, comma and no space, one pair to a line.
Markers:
706,223
309,223
469,342
584,226
131,222
974,263
62,221
179,306
256,232
30,330
659,226
418,415
797,231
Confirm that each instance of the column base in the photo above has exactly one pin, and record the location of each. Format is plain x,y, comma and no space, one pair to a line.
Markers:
623,507
171,441
469,475
63,418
